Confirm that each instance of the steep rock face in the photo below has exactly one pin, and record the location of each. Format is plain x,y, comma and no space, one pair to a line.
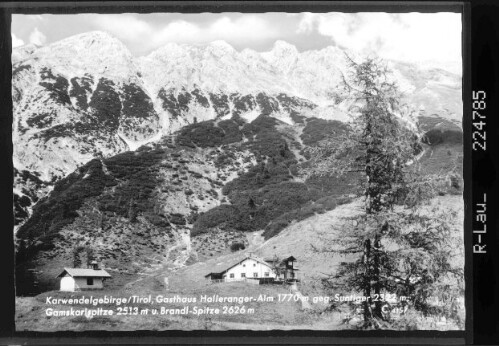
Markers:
73,100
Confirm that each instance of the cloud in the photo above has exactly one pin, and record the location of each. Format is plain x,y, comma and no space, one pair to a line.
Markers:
414,37
37,37
38,17
177,31
307,23
16,42
146,36
250,28
247,29
124,26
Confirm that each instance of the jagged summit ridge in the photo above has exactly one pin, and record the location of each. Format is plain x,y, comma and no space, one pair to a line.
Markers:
221,45
218,66
91,38
281,49
95,53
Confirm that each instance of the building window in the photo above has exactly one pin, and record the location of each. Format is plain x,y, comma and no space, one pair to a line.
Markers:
266,274
231,276
254,264
90,281
244,265
255,275
243,275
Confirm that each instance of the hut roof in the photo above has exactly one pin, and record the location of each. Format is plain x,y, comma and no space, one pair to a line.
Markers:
83,272
257,259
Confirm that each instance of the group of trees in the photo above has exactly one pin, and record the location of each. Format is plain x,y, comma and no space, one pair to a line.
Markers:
393,248
83,256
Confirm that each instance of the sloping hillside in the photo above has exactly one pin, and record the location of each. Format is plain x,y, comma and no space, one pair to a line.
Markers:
215,180
305,241
192,196
298,239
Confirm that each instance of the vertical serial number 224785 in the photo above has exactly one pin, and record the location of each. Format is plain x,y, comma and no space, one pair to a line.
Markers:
479,134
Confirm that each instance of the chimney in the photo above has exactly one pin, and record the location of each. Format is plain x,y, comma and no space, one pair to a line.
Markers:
94,265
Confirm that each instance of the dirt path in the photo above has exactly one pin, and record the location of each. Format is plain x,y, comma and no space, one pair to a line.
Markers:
296,133
183,240
255,239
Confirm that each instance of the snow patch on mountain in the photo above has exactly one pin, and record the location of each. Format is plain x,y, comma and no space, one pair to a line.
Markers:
250,116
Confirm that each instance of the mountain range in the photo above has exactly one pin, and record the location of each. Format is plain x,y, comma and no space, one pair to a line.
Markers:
141,153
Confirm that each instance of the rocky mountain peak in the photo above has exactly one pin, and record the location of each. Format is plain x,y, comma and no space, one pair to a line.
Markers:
165,52
23,52
92,39
281,47
172,51
282,56
221,45
95,53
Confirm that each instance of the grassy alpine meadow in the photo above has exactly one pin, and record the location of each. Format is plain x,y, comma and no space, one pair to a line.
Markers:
272,307
167,311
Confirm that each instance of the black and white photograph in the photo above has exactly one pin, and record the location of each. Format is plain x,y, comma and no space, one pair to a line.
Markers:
238,171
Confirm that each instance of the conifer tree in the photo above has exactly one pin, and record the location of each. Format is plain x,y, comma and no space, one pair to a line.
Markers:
396,250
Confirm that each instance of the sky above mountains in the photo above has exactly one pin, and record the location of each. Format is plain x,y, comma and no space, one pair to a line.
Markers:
431,39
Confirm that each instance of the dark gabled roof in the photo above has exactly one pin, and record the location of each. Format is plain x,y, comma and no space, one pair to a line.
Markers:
290,258
83,272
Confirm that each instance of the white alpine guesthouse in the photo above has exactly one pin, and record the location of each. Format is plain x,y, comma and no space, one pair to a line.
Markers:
258,270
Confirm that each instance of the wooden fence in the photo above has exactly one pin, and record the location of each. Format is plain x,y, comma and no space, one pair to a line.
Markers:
250,280
256,281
